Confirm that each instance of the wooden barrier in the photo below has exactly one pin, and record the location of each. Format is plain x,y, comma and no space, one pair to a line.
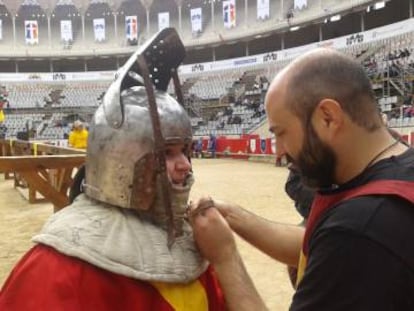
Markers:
266,158
41,168
5,150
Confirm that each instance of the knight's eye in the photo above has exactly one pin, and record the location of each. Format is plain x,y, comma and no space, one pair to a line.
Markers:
279,133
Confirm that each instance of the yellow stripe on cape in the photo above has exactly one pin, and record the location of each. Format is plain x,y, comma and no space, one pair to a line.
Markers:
301,267
184,297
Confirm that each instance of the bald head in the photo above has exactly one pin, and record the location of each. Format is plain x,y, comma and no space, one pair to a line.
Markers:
326,74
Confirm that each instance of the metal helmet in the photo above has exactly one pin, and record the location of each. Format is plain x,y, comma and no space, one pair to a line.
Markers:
120,163
134,122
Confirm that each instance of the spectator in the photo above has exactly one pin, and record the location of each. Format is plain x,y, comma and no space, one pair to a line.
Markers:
78,137
199,148
212,145
299,192
3,130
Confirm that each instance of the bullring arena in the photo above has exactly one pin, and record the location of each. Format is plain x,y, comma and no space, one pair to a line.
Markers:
58,58
257,186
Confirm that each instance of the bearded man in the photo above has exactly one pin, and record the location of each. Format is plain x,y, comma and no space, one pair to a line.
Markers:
356,251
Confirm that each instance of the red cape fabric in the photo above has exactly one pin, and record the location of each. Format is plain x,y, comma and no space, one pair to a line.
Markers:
323,203
47,280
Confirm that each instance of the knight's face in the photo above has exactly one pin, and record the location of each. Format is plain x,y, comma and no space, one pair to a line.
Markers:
178,164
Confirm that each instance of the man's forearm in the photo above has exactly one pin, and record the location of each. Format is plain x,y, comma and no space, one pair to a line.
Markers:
282,242
239,291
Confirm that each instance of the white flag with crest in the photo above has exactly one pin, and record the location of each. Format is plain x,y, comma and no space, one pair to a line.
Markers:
300,4
66,30
31,29
229,13
263,10
196,20
131,27
99,29
163,20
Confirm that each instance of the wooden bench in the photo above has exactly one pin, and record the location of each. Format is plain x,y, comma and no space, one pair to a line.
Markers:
41,169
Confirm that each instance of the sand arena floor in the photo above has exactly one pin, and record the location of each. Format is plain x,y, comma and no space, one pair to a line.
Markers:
257,186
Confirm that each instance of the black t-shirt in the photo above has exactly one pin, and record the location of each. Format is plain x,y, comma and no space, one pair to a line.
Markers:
361,254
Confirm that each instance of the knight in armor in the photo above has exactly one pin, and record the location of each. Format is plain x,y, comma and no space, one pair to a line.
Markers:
124,243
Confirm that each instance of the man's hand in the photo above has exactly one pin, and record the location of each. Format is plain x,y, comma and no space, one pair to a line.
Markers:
212,233
216,242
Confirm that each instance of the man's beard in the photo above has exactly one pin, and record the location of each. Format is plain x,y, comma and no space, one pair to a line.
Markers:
316,161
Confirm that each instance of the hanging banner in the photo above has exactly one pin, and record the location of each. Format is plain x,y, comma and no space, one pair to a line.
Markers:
131,27
273,144
252,145
31,32
163,20
263,9
229,13
1,29
66,33
263,145
196,20
300,4
99,29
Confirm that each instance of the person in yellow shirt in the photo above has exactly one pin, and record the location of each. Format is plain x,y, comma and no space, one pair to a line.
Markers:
78,137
